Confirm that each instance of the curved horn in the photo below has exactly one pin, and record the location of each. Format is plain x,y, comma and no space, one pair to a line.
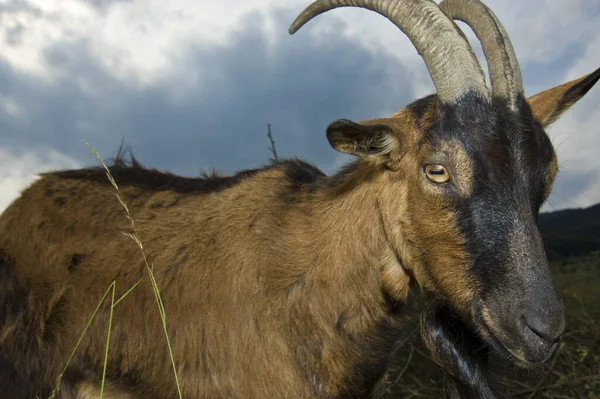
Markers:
505,73
447,54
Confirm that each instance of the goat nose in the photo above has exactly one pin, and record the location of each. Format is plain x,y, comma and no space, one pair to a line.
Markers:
548,324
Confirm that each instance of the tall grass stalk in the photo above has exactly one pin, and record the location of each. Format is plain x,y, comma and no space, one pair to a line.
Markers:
161,309
135,237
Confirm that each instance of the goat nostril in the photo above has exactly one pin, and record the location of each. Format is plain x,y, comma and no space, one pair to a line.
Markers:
538,333
547,331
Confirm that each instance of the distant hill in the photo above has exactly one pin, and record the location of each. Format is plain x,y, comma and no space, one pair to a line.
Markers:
570,232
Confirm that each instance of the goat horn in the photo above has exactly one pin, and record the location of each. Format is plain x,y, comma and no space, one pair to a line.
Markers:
447,54
505,73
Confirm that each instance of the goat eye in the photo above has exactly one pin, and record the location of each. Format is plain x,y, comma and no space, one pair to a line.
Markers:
437,173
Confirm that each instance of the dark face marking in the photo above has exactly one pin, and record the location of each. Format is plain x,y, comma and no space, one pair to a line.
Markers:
511,158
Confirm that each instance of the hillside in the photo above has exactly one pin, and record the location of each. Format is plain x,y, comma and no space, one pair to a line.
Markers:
571,232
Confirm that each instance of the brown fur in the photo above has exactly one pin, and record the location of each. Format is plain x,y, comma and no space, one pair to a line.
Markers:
244,261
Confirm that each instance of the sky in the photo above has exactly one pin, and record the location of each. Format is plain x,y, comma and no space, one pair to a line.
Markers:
191,85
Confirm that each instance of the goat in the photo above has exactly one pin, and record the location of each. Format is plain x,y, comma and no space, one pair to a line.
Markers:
282,282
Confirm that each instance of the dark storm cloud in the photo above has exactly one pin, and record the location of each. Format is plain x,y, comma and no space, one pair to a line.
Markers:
299,86
296,83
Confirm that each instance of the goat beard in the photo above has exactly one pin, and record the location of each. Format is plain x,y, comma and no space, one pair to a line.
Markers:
459,351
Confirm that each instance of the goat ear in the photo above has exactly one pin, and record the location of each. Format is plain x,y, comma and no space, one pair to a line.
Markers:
366,141
547,106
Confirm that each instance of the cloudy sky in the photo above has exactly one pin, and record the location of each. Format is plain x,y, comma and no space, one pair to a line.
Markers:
191,85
